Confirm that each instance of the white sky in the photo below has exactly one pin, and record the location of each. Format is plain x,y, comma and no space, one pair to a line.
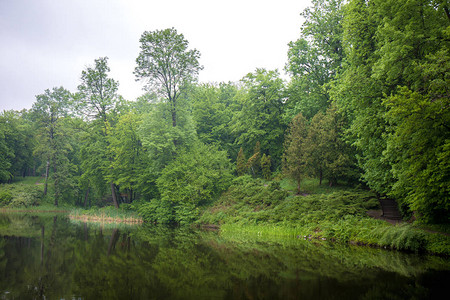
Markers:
47,43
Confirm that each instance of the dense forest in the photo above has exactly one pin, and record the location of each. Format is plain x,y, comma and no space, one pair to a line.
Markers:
367,102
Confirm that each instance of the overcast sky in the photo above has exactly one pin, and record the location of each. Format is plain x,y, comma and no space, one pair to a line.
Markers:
47,43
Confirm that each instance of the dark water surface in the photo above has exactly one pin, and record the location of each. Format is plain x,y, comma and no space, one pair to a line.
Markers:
53,258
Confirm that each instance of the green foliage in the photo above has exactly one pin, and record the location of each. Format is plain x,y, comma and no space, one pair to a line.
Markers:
6,156
246,195
129,159
394,90
20,195
197,176
294,157
252,206
401,237
5,197
315,58
213,107
266,166
97,95
158,134
327,153
50,111
241,167
419,149
17,141
166,63
260,119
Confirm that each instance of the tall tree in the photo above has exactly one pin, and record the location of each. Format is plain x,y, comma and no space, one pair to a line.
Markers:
260,118
166,64
97,92
97,99
294,158
129,157
315,58
359,95
327,153
49,111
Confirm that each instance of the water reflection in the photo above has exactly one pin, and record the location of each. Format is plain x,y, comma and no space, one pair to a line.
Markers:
52,257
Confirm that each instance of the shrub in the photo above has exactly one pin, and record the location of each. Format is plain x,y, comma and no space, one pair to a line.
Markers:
20,195
5,198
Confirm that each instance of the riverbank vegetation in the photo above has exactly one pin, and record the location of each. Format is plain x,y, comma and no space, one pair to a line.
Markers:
364,112
260,208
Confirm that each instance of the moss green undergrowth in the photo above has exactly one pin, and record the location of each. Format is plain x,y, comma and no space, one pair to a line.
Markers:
257,207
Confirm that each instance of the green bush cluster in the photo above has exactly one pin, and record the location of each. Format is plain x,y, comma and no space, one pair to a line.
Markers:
167,212
20,195
5,198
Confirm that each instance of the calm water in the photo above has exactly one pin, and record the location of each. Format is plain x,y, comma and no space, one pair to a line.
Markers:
53,258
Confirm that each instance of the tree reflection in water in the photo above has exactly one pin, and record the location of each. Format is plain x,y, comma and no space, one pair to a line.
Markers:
52,257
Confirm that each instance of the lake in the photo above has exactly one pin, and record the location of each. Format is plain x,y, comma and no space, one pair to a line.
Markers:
53,257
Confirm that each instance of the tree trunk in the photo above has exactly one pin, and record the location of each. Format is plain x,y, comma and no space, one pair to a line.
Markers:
174,118
320,177
298,187
46,177
114,196
112,241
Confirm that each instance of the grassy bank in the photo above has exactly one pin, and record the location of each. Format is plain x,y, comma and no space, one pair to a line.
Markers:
321,213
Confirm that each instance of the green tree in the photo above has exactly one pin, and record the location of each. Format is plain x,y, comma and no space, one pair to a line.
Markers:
254,162
129,158
328,155
213,107
18,143
6,155
241,167
260,118
315,58
195,178
97,92
97,99
294,157
166,64
318,145
49,110
357,93
266,164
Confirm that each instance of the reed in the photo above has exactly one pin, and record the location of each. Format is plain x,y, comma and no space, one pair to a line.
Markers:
106,215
